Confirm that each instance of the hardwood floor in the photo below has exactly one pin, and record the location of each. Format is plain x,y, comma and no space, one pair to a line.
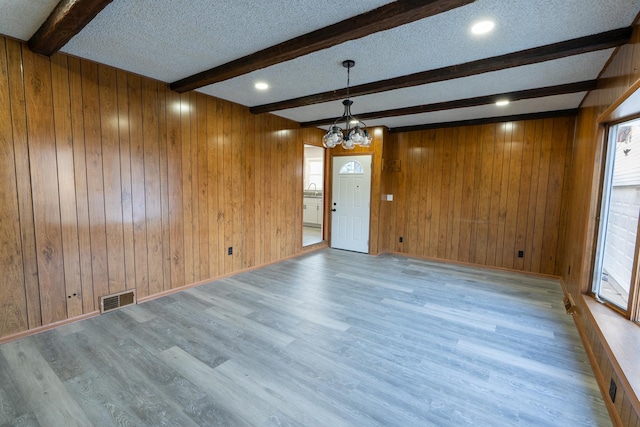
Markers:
331,338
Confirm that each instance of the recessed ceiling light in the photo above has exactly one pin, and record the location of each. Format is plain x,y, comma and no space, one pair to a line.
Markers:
502,103
261,86
482,27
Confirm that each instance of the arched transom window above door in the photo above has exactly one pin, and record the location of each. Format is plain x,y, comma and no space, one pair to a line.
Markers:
352,167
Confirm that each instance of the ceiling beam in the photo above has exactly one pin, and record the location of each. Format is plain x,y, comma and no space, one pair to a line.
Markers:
595,42
489,120
564,89
383,18
67,19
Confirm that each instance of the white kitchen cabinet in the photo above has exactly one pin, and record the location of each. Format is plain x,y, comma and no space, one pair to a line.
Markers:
312,213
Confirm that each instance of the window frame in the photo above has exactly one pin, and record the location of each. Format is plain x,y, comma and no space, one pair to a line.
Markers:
632,311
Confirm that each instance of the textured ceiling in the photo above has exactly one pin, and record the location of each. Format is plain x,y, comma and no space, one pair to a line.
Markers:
172,39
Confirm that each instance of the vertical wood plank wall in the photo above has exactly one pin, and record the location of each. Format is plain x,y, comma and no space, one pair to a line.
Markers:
620,74
110,181
479,194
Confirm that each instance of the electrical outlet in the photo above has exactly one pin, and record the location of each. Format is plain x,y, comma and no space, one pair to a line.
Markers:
520,254
230,250
612,390
401,239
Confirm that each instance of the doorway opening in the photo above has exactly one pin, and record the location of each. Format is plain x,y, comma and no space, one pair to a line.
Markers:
313,195
351,205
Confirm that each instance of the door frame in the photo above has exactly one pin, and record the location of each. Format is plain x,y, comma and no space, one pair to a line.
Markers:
329,188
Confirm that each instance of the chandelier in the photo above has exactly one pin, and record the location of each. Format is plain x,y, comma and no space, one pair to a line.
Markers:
347,137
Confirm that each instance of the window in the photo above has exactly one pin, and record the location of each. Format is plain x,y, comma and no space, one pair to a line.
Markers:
316,173
615,270
351,167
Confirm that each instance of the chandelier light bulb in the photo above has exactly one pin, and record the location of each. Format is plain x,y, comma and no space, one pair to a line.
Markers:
348,144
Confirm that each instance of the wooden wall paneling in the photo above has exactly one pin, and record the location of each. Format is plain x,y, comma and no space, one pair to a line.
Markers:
275,145
392,226
477,195
421,163
239,176
452,153
501,165
525,182
125,180
468,190
236,179
220,181
81,185
279,194
44,181
555,190
541,203
289,178
476,199
412,210
385,223
249,192
458,168
266,194
203,184
421,189
23,181
259,186
138,196
435,192
564,217
95,179
400,196
175,189
227,188
428,142
212,190
163,140
280,155
513,192
109,136
529,254
66,183
152,184
186,110
290,206
445,186
242,122
377,147
195,182
247,136
13,302
494,171
485,191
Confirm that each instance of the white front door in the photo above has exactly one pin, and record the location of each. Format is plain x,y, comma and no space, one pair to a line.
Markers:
351,203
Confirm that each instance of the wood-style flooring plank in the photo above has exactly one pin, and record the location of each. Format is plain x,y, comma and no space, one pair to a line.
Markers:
328,338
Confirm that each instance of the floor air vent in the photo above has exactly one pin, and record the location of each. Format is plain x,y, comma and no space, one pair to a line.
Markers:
116,301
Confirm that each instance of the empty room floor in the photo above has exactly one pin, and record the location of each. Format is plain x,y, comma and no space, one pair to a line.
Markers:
330,338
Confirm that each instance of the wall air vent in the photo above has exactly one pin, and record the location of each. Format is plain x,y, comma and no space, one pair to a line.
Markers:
116,301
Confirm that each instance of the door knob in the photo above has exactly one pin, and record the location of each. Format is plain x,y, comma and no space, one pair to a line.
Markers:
333,210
